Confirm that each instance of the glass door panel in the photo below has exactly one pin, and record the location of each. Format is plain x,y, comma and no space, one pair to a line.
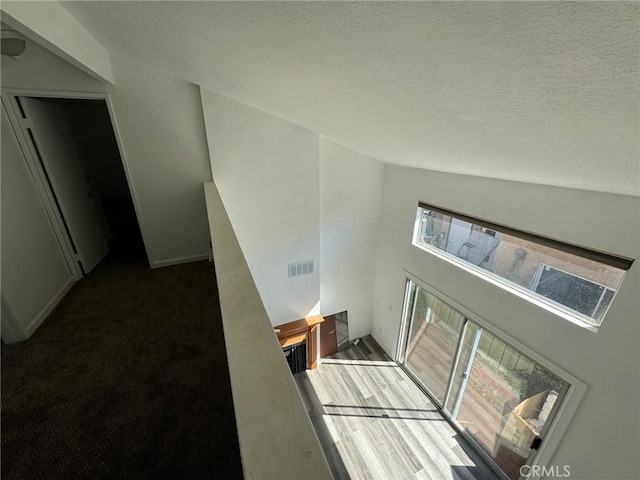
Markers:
501,406
432,341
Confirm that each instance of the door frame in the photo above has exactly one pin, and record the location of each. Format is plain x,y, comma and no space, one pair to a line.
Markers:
570,400
19,124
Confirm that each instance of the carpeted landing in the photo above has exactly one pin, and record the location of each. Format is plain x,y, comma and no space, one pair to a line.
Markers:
127,378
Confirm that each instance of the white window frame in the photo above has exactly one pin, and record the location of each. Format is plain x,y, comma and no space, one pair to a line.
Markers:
522,292
571,399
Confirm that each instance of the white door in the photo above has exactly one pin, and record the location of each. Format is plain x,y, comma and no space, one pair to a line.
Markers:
61,161
34,270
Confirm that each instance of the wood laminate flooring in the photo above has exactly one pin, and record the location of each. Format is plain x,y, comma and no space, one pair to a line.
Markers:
375,423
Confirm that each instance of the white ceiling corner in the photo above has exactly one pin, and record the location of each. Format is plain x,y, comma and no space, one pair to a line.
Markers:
538,92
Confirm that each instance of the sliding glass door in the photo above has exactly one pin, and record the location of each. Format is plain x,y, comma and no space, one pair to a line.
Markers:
498,397
432,341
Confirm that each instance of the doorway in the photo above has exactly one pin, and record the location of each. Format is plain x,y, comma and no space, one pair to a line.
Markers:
74,150
93,132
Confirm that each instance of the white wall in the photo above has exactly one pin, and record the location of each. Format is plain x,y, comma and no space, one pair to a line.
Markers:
292,197
602,440
266,170
350,197
34,272
159,119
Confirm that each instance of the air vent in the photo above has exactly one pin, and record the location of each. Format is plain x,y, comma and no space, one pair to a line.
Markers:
301,268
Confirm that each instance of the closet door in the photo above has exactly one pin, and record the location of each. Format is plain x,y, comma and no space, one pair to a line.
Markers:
35,274
61,162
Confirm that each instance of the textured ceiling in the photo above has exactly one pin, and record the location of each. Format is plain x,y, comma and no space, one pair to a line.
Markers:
539,92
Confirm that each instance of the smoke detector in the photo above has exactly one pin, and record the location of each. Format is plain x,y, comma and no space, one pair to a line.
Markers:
12,44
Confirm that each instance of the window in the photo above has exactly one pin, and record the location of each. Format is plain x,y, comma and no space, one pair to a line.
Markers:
572,281
500,398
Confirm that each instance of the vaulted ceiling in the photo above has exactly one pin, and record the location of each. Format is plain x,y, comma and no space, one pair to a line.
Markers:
539,92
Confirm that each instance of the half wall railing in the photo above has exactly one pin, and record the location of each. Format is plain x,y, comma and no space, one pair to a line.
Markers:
276,436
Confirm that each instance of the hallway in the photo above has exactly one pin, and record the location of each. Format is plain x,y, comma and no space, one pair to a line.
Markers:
127,378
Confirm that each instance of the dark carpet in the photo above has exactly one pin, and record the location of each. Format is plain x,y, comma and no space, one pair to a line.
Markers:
127,378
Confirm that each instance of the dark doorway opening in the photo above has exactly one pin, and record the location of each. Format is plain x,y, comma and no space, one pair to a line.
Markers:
94,137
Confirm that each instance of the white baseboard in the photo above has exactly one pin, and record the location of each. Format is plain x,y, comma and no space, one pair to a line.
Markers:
178,261
48,308
12,331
